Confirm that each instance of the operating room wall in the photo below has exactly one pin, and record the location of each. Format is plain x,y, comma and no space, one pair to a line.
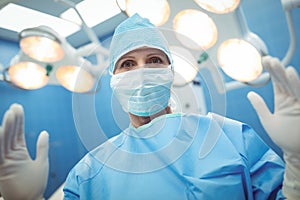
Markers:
66,116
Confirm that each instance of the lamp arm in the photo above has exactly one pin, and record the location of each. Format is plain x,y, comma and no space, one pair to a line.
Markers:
259,82
2,78
93,37
242,20
91,47
97,47
292,46
289,4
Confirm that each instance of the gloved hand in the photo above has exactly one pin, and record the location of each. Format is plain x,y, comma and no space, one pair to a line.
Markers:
20,176
283,126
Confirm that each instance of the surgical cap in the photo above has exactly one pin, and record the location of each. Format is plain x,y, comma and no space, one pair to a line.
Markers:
133,33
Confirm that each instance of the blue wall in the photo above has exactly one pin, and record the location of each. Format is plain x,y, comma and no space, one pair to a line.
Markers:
58,111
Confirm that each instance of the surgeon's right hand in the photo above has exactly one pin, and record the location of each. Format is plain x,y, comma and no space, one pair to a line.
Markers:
20,176
283,125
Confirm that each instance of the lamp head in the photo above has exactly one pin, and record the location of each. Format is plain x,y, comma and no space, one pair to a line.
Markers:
76,76
41,43
240,60
218,6
27,74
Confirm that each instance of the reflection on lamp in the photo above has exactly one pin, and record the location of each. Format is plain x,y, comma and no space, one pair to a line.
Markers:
28,75
196,29
41,44
75,78
157,11
239,60
184,66
218,6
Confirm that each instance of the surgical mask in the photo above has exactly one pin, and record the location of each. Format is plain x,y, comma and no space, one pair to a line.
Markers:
144,91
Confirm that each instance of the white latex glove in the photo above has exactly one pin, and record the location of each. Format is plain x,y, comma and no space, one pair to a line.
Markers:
283,126
20,176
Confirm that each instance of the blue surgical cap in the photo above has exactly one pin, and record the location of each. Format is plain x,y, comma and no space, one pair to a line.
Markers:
133,33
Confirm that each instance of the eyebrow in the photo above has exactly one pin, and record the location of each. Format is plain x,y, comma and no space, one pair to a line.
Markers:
156,54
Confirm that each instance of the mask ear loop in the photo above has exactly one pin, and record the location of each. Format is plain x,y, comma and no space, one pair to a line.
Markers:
174,103
171,67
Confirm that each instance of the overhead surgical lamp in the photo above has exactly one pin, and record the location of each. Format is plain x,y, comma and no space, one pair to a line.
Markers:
185,66
75,78
41,43
46,57
240,60
218,6
198,27
43,60
27,74
238,54
157,11
287,5
76,75
240,57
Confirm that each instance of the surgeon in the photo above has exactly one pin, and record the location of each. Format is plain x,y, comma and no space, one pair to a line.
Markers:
166,155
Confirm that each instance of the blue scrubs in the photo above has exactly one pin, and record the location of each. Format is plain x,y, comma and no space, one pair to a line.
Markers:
179,156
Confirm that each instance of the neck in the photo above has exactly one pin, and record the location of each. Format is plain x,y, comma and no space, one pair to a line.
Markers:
138,121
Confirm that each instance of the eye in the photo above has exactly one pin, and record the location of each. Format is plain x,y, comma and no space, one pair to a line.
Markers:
127,64
156,60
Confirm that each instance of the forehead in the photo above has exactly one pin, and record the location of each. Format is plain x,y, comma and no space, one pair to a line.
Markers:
144,51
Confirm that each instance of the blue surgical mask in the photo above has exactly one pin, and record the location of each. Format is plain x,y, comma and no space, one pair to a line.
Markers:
144,91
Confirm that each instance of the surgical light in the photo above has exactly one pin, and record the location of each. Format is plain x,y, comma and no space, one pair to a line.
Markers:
185,66
157,11
195,29
47,57
28,75
33,72
218,6
40,43
75,78
239,60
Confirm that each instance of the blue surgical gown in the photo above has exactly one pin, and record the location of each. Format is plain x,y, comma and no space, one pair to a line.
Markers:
179,156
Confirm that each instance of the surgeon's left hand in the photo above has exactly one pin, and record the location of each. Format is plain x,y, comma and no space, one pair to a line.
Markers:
283,125
20,176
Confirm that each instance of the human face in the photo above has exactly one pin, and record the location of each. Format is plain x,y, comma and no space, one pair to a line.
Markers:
145,56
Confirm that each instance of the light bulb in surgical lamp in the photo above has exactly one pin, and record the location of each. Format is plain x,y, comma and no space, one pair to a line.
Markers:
41,45
28,75
218,6
157,11
185,66
195,29
240,60
75,78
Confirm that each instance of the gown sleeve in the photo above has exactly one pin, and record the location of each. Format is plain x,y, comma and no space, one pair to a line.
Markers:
81,173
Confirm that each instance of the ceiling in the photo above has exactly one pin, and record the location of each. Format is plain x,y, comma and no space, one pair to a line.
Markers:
55,8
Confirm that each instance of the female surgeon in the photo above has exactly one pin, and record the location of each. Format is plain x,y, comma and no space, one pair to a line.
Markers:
165,155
